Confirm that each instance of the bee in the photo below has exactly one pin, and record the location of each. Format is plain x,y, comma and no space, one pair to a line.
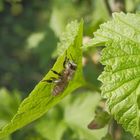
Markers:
63,77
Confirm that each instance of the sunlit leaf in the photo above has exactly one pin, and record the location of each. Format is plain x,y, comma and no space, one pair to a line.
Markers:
120,78
41,99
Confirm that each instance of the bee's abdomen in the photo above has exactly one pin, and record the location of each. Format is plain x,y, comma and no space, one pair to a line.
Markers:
59,88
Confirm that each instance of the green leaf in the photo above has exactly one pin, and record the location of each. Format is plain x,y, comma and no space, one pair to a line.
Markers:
123,26
121,82
41,99
69,119
67,37
80,112
100,120
9,102
120,78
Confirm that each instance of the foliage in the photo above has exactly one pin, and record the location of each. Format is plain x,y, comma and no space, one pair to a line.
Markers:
121,74
40,100
9,106
70,123
29,46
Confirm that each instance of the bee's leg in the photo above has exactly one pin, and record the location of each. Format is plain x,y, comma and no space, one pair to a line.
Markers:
48,81
71,57
55,72
57,80
52,80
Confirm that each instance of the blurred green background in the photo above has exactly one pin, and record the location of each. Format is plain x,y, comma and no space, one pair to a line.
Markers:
29,33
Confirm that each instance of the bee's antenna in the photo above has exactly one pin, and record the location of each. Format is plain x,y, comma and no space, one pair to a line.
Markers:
66,60
71,57
66,53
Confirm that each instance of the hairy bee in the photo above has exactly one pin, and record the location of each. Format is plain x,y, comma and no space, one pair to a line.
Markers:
63,77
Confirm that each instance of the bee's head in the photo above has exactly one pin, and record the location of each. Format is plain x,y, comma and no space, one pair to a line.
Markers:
71,65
